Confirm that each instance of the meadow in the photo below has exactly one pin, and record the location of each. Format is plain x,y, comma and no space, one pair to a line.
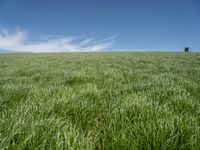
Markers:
108,100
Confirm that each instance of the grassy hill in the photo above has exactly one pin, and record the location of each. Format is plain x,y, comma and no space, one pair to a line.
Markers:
100,101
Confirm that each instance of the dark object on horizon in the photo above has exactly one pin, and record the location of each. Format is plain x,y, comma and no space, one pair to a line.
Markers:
187,49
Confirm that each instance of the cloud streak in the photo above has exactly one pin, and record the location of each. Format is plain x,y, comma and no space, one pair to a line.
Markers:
20,41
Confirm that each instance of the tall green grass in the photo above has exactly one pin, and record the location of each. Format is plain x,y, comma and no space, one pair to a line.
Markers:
100,101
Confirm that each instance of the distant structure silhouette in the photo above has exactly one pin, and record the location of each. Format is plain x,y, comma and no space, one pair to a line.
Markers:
187,49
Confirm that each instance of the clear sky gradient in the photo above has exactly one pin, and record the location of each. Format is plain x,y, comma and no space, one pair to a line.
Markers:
100,24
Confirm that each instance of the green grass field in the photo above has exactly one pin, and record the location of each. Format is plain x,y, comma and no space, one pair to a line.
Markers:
100,101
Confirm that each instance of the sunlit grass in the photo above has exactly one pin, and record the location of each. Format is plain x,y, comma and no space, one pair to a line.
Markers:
100,101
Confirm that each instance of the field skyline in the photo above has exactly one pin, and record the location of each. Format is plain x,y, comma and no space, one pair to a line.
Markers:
113,51
99,74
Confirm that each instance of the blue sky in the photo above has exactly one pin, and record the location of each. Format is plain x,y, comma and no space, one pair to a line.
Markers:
82,25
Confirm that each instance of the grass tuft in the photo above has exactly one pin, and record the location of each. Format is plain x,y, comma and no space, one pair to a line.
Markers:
100,101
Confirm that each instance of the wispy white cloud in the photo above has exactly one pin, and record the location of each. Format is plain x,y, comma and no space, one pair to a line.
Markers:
20,41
